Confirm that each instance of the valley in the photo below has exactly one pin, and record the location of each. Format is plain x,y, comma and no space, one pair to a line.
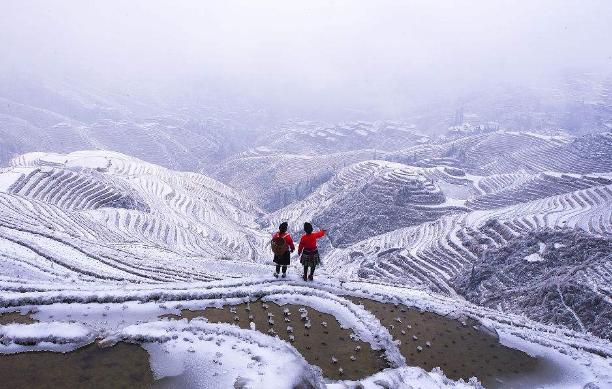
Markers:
111,248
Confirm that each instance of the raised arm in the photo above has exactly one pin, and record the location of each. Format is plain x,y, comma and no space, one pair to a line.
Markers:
319,234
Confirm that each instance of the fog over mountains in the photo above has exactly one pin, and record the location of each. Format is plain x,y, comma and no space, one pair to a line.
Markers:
459,158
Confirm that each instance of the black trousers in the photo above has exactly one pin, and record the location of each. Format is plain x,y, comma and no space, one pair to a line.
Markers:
312,269
282,261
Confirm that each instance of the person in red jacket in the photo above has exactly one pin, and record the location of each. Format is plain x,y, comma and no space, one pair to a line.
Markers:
283,260
309,254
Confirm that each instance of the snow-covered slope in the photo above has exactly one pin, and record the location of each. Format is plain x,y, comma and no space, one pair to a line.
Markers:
82,209
275,180
552,276
429,254
119,242
369,198
303,137
58,116
500,190
506,152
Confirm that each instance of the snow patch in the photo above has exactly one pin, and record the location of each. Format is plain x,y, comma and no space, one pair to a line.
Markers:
201,354
89,162
537,257
8,179
53,332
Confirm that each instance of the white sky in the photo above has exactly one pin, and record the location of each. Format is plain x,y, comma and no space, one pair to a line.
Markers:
363,52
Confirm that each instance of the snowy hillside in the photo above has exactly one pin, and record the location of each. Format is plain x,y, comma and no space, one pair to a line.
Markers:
303,137
275,180
129,215
57,116
553,276
371,197
429,254
453,162
102,247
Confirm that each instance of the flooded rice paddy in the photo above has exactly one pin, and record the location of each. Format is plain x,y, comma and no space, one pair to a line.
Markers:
121,366
322,343
461,348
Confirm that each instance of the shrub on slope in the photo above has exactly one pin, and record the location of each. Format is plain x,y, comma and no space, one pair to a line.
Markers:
553,276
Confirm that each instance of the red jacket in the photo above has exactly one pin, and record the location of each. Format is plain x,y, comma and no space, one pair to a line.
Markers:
309,241
288,239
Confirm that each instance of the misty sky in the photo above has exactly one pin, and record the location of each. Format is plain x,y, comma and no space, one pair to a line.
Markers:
375,54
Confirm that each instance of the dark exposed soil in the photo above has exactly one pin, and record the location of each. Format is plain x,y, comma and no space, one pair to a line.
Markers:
15,317
462,349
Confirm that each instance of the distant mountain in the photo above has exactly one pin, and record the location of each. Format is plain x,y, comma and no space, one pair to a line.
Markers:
54,116
503,152
304,137
275,180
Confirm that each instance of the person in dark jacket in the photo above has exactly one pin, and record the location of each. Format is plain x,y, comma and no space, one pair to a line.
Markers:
283,260
309,254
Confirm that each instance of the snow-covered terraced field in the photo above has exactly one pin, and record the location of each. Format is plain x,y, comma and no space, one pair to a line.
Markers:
274,180
99,246
101,215
507,189
371,197
429,254
318,138
503,152
474,151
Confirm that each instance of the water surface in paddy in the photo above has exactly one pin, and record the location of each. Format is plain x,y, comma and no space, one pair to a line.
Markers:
462,349
121,366
324,340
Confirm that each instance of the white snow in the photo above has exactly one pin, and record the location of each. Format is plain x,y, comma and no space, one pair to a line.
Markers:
54,332
406,378
111,272
364,324
188,349
8,179
537,256
219,356
557,369
95,162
